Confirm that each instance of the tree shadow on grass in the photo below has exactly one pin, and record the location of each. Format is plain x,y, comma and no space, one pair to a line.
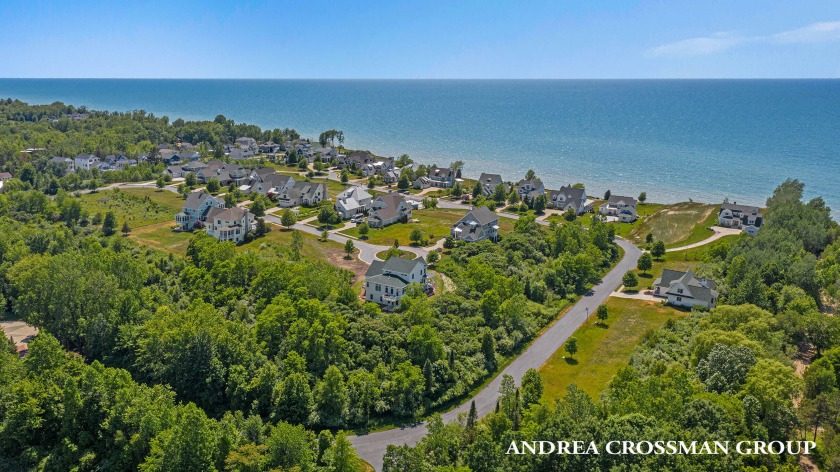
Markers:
602,325
571,360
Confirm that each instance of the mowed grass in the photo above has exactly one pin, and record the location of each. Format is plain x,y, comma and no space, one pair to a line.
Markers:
162,236
677,224
433,223
679,260
138,207
602,351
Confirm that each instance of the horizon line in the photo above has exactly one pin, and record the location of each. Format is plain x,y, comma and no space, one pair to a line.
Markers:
424,79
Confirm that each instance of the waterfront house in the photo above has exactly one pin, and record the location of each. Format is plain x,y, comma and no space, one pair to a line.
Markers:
422,182
442,177
566,198
685,289
195,210
744,217
386,281
302,193
623,208
230,224
528,190
352,201
388,209
479,223
489,182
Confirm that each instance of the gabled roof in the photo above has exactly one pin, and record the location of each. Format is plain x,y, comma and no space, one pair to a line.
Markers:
734,207
619,198
441,173
698,289
481,215
357,193
196,199
231,214
395,265
392,202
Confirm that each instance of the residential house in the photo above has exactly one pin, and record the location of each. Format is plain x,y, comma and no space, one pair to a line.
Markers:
230,224
194,166
195,210
624,208
269,148
302,193
479,223
352,201
4,176
247,143
355,160
422,182
489,182
86,161
271,184
169,157
388,209
528,190
390,177
685,289
175,172
123,162
747,218
239,153
568,197
442,177
189,155
386,281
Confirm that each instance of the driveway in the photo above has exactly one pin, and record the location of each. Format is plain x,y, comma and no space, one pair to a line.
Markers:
371,447
719,233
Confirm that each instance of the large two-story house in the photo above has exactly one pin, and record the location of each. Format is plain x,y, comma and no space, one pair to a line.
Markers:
229,224
479,223
86,161
195,210
528,190
566,198
489,182
388,209
747,218
302,193
685,289
386,281
624,208
352,201
442,177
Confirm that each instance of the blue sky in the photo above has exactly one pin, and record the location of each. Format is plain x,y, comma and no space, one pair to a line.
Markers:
420,39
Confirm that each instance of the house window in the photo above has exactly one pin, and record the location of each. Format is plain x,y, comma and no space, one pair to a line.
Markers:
378,288
679,290
679,299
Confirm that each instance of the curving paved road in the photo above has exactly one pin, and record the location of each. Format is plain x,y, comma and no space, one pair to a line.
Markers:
719,233
371,447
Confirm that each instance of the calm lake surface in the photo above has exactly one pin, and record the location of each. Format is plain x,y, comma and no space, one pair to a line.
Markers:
675,139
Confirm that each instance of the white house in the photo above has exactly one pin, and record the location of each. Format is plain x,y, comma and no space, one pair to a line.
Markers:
530,189
479,223
747,218
86,161
442,177
229,225
351,201
65,161
566,198
684,289
622,207
195,210
386,281
489,182
302,193
388,209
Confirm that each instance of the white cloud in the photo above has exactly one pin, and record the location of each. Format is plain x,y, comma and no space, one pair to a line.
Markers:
718,42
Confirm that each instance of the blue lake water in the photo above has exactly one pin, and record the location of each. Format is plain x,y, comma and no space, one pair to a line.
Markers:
675,139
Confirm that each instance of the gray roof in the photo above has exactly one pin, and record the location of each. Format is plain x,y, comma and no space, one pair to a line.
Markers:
698,289
741,208
195,199
394,264
618,198
231,214
489,182
482,215
355,192
392,203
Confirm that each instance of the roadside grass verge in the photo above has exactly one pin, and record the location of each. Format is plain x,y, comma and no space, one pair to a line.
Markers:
434,223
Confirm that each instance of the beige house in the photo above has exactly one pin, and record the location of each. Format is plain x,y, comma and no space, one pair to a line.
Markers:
386,281
388,209
229,225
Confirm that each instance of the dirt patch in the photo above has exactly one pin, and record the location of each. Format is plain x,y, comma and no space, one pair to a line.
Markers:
336,258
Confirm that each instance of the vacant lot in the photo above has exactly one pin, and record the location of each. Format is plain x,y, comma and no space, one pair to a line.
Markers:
680,260
602,351
313,248
678,224
138,207
433,223
162,236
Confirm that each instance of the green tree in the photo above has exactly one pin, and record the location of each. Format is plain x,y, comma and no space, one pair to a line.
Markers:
433,257
345,176
499,195
571,346
488,349
658,249
602,313
190,179
820,378
258,206
341,457
293,399
331,399
630,281
645,262
213,185
109,224
297,244
348,248
643,197
125,228
539,203
160,183
532,387
449,243
363,229
530,175
477,190
403,183
328,216
288,219
190,445
416,236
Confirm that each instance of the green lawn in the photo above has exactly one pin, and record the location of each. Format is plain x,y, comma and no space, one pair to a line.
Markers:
138,207
403,254
680,260
161,236
434,224
677,224
602,351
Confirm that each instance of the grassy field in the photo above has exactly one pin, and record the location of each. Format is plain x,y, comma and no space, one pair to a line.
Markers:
138,207
403,254
327,251
161,236
432,222
680,260
677,225
603,350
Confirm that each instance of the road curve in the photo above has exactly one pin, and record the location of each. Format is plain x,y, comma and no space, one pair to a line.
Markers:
371,447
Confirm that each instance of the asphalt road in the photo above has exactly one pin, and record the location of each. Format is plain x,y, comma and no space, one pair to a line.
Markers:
371,447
